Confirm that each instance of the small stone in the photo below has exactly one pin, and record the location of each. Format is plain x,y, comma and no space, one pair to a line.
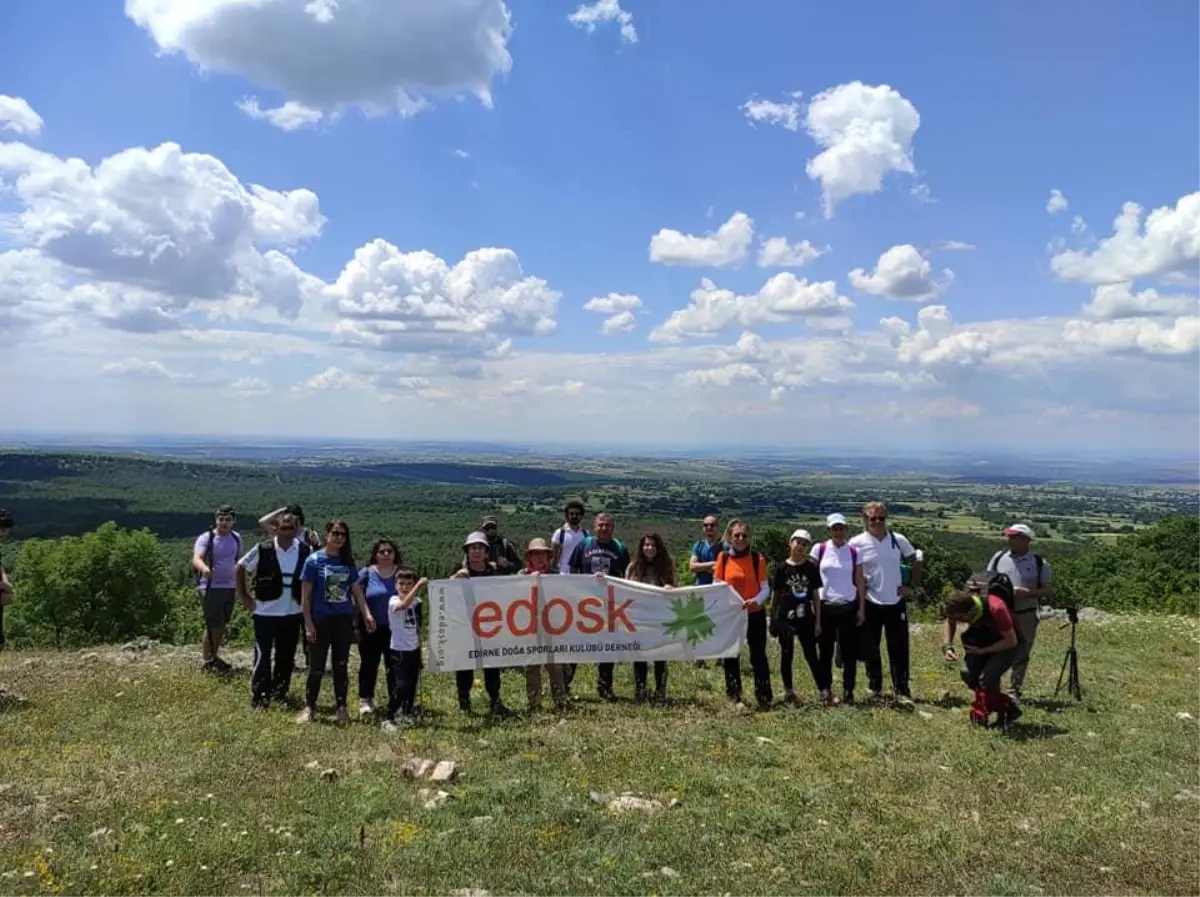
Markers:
481,820
418,768
101,833
470,892
444,771
944,768
1106,869
763,740
1093,734
924,714
329,775
668,872
313,764
628,802
1183,714
433,799
89,657
59,818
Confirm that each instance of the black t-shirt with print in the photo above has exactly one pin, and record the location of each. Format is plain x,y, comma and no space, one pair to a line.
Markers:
794,587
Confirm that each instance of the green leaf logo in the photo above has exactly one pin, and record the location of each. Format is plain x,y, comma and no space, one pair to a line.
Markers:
690,620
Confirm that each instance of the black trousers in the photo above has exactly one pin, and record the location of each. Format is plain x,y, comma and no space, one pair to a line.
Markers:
641,671
464,679
403,672
274,657
839,625
604,679
756,641
335,633
891,622
803,631
373,648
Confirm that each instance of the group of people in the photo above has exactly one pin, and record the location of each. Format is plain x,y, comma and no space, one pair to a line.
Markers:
841,599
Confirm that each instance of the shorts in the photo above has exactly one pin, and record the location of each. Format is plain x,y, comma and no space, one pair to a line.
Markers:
217,605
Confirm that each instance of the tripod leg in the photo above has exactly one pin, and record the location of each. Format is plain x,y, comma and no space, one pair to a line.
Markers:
1063,672
1073,686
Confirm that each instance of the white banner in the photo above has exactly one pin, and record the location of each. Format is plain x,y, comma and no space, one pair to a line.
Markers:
506,621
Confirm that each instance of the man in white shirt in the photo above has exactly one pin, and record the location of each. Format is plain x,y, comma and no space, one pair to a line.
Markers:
882,553
568,536
275,605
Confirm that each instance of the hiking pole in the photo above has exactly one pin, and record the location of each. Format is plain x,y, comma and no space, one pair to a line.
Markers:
1070,667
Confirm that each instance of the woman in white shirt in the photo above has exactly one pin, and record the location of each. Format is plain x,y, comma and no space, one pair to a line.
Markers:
841,610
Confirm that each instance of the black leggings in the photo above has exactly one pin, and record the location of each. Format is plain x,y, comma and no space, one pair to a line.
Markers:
802,630
756,640
404,671
374,647
334,633
641,671
839,623
274,657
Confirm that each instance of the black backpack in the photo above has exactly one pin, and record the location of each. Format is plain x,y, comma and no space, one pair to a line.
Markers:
991,582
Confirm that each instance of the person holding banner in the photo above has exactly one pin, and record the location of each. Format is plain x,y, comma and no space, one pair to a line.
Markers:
746,571
600,555
653,567
539,561
478,563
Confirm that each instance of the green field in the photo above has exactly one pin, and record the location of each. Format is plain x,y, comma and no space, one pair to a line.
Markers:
130,772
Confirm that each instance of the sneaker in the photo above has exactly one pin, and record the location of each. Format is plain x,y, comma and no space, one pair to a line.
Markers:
847,699
738,705
874,694
208,666
222,666
464,706
365,708
904,701
388,726
826,698
791,699
304,717
1009,716
343,716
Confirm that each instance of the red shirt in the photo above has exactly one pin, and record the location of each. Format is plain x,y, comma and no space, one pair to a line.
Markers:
1002,619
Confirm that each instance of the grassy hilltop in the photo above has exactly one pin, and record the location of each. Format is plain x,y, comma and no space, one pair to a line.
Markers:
129,772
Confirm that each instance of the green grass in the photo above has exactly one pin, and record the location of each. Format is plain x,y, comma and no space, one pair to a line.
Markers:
194,794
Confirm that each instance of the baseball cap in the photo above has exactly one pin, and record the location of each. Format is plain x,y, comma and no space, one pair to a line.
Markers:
835,520
476,538
489,519
801,534
1019,529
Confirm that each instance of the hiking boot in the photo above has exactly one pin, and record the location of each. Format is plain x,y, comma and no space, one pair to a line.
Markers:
343,716
660,695
304,717
606,694
497,709
208,666
847,699
365,708
640,695
825,697
222,666
791,699
874,694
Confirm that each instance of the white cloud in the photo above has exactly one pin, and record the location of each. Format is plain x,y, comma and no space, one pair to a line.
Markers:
379,56
1079,226
613,303
725,375
725,246
291,116
866,132
336,378
922,194
1144,337
901,273
247,387
17,115
137,369
621,322
782,298
588,17
175,228
954,246
776,252
462,154
1057,202
1170,242
785,115
1117,301
415,301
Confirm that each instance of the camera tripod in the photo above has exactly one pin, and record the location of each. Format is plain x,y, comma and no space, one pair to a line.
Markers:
1070,667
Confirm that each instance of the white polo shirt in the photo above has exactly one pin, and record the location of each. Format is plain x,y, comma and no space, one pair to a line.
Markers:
880,560
568,538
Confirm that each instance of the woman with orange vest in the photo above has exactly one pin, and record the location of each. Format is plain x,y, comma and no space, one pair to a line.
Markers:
746,571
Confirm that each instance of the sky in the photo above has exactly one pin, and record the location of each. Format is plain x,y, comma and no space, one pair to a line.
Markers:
777,223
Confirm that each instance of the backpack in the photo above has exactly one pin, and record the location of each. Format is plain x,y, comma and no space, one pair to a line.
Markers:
560,532
992,582
994,563
208,554
755,557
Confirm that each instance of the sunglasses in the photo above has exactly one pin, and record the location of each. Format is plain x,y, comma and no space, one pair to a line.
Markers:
710,526
740,536
876,519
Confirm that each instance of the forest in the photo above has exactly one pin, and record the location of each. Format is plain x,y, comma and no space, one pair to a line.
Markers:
102,546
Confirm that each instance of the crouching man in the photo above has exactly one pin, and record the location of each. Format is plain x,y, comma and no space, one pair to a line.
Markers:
990,643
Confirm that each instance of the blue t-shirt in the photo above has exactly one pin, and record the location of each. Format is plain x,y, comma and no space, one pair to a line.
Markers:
377,590
331,581
707,554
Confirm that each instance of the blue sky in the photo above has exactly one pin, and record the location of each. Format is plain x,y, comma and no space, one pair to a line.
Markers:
591,145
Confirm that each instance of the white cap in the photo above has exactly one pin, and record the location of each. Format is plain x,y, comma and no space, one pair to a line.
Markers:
801,534
1019,529
835,520
476,538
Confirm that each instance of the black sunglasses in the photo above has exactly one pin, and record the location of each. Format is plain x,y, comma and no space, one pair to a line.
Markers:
876,519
